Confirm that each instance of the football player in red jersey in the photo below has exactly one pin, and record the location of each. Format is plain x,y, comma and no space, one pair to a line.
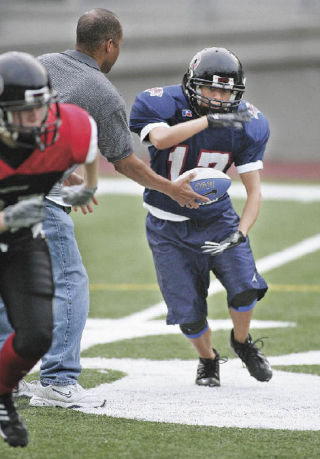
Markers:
40,139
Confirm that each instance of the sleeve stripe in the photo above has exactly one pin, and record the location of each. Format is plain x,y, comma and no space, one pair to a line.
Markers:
250,167
93,147
145,131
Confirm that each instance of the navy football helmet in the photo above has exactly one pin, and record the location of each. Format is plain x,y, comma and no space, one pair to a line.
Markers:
25,85
217,68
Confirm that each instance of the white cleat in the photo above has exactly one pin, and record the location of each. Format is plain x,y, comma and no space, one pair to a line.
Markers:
70,396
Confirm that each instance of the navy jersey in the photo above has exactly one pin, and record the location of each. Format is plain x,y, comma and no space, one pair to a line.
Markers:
217,148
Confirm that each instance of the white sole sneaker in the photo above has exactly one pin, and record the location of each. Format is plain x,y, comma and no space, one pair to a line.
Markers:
71,396
37,401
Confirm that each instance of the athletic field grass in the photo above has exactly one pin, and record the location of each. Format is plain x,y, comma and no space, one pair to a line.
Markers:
123,283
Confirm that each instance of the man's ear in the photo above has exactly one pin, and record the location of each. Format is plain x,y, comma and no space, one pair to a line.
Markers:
108,44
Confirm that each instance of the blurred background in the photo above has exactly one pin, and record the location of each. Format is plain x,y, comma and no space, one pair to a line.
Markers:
277,41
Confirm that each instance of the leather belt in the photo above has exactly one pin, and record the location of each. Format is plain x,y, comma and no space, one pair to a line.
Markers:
66,209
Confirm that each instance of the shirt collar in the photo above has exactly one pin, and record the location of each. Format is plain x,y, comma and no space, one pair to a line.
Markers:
82,57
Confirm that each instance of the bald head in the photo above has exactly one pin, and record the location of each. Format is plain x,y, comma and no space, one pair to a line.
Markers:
95,27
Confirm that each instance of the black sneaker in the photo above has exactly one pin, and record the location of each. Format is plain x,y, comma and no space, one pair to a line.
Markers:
256,363
12,427
208,371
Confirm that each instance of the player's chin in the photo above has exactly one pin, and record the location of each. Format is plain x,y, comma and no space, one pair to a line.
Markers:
207,110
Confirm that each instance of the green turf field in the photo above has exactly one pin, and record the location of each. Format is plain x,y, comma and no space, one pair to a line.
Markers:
122,282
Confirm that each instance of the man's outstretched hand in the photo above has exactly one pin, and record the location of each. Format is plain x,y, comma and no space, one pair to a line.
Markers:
184,194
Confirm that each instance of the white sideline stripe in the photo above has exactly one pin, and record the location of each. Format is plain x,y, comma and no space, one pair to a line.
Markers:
307,246
275,191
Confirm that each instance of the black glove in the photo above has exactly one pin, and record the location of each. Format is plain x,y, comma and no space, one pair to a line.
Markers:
233,119
25,213
215,248
77,195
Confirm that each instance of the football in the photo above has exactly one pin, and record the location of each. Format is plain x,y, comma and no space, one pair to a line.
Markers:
209,182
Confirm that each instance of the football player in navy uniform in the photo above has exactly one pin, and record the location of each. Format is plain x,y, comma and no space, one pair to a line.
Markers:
179,123
40,139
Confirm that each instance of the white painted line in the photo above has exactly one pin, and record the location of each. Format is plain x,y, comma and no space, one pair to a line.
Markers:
300,193
305,247
164,391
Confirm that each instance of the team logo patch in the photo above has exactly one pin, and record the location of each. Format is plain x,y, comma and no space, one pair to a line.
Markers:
253,111
186,113
155,92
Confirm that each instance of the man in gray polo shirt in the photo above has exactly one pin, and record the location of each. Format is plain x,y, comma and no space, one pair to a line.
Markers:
78,77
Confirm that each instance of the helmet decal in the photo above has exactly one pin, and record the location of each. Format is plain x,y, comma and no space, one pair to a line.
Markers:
195,61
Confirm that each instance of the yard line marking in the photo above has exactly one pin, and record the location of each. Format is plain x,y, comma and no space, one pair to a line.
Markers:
154,390
303,288
124,287
305,247
270,191
132,287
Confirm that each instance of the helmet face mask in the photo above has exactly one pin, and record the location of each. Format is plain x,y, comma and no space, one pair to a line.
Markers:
214,68
25,87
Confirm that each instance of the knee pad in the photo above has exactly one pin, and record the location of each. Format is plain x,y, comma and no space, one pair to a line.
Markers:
195,329
32,344
244,301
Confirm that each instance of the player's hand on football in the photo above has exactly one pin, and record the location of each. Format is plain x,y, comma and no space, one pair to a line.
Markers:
233,119
77,195
215,248
24,213
184,194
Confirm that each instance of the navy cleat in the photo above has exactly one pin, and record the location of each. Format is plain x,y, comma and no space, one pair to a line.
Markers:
208,371
12,427
256,363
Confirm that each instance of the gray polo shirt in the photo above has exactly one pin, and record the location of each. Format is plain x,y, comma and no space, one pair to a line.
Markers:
78,80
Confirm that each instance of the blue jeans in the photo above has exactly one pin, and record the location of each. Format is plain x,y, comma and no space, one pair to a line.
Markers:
61,364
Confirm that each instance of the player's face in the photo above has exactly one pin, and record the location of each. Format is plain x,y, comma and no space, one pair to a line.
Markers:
29,118
219,94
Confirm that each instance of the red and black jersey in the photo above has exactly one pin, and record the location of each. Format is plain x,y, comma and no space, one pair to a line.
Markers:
25,172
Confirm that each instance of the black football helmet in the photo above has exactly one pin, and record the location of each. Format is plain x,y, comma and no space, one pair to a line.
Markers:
218,68
25,85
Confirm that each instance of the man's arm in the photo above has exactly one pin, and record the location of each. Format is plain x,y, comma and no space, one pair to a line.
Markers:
180,191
